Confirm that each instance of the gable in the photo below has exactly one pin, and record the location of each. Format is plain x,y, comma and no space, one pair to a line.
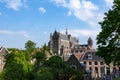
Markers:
74,61
3,51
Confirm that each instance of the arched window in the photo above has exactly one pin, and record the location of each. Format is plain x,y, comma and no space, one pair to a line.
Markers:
73,66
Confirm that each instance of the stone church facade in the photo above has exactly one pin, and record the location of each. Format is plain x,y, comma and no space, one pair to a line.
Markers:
66,44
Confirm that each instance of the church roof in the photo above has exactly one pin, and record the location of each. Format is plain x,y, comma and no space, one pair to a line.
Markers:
65,37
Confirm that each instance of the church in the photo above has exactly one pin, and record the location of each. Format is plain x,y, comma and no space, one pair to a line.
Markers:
66,44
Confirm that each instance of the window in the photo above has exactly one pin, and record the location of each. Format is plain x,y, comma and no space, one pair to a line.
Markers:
101,63
89,56
96,69
90,63
73,66
90,68
96,63
84,62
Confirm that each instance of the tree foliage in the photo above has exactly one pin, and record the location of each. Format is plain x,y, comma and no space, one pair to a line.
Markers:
30,45
39,59
16,67
108,39
44,73
61,71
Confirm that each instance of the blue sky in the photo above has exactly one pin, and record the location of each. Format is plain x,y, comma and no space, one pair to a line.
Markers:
22,20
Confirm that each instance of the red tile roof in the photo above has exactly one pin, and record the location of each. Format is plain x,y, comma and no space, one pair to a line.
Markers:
79,55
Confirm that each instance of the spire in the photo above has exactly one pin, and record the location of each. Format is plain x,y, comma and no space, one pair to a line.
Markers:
66,31
50,35
90,41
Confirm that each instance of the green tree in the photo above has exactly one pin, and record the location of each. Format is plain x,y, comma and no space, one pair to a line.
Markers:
62,71
108,40
55,62
12,49
44,73
16,67
46,48
39,59
30,45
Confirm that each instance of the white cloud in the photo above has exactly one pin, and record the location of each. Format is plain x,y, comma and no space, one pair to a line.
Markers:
109,3
23,33
82,9
42,10
6,32
19,33
82,32
14,4
59,2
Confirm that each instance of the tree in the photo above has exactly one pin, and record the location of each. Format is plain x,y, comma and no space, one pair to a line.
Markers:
108,40
30,45
39,59
56,64
61,71
44,73
16,67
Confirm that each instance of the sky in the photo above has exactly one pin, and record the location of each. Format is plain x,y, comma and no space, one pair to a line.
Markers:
23,20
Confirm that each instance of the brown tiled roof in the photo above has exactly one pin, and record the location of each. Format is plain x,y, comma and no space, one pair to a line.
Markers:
78,56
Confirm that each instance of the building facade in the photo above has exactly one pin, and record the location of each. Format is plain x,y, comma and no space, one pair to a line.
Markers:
61,43
3,52
65,43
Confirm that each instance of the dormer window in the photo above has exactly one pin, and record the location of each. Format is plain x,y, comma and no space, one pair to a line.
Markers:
89,56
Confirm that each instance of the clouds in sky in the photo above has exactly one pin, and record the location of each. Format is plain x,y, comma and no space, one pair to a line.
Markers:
14,4
82,32
18,33
109,2
42,10
82,9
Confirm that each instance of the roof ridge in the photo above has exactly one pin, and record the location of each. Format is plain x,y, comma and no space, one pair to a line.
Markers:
1,48
83,56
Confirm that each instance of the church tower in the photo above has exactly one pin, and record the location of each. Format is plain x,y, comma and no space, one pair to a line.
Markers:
51,42
66,32
90,42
